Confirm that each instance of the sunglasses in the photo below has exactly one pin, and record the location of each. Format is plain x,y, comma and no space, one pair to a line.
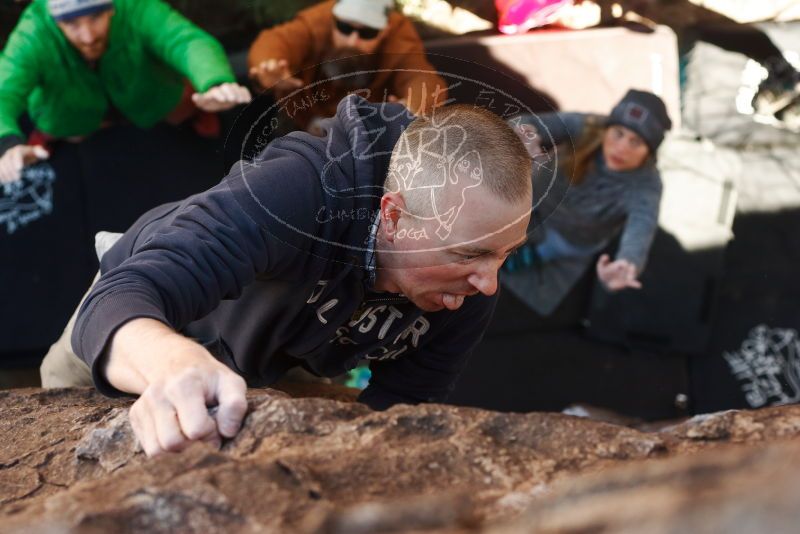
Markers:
362,31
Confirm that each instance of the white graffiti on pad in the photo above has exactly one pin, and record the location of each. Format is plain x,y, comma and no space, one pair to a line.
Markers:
27,199
768,366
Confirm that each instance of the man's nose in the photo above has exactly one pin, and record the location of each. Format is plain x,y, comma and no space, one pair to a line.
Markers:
484,279
352,39
85,34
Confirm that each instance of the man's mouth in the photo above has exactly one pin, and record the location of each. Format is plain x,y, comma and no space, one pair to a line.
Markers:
93,47
451,301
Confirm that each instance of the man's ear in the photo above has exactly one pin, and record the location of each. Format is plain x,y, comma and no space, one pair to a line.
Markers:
392,209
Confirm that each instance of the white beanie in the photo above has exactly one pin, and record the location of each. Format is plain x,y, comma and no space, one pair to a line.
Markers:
69,9
371,13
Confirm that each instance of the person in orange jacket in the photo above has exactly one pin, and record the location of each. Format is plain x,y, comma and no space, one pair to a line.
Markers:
339,47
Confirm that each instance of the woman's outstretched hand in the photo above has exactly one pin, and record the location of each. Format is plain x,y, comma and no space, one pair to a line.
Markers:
617,275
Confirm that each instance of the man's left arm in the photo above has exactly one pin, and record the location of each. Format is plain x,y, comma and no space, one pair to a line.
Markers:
20,72
429,373
416,82
182,45
20,69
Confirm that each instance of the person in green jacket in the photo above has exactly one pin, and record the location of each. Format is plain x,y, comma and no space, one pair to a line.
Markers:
78,65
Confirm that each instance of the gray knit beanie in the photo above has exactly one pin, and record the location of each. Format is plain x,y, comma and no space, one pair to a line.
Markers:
644,113
70,9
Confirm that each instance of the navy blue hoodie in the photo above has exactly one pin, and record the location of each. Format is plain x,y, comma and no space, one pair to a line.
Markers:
269,271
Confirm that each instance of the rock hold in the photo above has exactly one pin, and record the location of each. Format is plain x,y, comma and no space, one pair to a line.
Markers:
739,426
111,443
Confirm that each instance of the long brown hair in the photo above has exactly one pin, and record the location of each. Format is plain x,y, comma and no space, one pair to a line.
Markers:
579,158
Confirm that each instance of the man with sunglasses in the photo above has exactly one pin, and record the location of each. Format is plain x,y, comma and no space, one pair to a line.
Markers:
344,46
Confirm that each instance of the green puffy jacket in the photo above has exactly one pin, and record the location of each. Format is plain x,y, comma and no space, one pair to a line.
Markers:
151,50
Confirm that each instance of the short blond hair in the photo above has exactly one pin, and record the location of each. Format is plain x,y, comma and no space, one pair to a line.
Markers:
458,142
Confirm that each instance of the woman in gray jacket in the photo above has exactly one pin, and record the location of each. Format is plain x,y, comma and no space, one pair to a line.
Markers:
596,177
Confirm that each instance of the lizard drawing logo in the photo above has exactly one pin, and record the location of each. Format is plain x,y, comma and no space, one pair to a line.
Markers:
453,171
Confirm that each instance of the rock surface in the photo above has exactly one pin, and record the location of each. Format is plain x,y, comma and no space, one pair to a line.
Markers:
69,463
742,490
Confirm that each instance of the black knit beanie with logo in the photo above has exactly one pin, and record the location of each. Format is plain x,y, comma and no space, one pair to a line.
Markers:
644,113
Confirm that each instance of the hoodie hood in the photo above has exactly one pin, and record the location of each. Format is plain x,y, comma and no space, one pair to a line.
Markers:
358,144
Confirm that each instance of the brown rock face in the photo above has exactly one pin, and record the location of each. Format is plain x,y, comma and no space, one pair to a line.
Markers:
736,491
70,463
39,428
